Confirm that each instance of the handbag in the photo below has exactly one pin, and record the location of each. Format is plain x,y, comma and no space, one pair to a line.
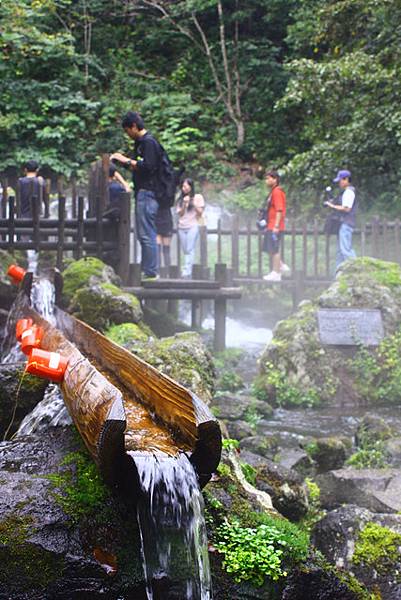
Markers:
333,223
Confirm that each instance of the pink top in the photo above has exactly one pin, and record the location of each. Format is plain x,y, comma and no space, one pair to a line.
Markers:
191,218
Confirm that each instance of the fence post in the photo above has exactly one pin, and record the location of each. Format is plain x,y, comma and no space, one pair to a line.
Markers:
196,310
220,309
124,227
397,240
61,225
235,245
11,223
203,245
35,208
80,227
248,249
172,305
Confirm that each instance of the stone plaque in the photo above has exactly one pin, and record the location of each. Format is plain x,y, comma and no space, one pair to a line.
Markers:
350,326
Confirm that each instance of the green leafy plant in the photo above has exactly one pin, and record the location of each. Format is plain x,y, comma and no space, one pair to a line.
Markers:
230,444
249,473
251,554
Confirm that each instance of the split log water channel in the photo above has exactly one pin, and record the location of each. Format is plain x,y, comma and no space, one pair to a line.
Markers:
155,442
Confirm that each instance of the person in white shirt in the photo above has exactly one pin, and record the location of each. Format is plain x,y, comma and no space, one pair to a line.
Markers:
348,207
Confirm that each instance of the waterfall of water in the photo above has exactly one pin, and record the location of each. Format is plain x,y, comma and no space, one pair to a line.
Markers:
172,526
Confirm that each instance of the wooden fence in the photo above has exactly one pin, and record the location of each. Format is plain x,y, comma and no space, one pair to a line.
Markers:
80,228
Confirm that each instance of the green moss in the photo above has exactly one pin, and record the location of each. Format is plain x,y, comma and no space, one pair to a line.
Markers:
23,562
378,547
79,272
384,272
127,334
81,488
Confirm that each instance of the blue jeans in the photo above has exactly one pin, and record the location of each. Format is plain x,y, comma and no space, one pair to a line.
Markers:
344,244
146,207
188,239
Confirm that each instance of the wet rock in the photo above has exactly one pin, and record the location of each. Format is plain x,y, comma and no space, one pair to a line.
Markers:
103,304
260,444
286,489
239,430
14,406
46,547
313,582
329,453
296,459
347,539
296,369
229,407
375,489
392,449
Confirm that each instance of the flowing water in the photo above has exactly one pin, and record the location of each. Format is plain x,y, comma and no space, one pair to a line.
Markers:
173,530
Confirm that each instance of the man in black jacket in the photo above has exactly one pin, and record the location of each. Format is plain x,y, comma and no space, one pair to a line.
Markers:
145,168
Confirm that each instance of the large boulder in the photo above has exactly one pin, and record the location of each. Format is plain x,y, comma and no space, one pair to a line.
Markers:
297,369
375,489
365,543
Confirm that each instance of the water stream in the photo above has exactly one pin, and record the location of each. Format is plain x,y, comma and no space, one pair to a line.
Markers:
173,530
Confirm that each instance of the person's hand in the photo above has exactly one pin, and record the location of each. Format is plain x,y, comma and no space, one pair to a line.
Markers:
118,156
276,229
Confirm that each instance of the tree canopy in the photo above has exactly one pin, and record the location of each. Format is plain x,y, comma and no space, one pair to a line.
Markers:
308,86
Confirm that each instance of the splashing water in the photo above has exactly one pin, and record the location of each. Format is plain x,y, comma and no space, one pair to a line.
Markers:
49,412
172,526
43,299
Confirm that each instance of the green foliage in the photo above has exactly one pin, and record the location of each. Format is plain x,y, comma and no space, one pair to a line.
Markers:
378,548
252,416
315,512
230,381
249,473
378,372
274,385
82,491
230,444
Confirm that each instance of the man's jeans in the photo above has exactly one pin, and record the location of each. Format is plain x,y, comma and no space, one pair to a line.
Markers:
146,207
188,239
344,244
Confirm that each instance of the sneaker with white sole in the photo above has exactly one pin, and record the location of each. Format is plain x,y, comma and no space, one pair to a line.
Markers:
273,276
284,268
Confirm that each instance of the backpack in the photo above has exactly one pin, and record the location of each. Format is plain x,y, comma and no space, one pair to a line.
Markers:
167,181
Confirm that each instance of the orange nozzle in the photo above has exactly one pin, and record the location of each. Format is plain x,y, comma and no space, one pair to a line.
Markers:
21,326
31,338
50,365
16,273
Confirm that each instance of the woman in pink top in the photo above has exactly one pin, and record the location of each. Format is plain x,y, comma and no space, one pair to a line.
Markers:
189,209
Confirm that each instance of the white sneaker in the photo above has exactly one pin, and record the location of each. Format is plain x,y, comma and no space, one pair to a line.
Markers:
284,268
273,276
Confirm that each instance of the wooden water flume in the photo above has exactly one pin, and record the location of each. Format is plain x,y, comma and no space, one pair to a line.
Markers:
122,406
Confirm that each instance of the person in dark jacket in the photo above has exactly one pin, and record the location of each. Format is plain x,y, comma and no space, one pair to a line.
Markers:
30,186
117,186
145,168
347,206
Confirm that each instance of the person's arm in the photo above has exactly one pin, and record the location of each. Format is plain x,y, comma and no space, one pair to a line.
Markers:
347,202
199,204
125,160
182,206
121,180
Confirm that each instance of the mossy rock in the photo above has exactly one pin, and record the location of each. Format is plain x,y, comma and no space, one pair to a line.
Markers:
297,369
103,304
86,271
182,357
